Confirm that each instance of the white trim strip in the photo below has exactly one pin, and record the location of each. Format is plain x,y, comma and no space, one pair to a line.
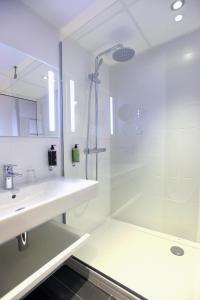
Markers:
30,282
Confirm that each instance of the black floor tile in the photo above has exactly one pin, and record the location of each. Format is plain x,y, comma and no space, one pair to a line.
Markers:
52,289
57,288
40,293
66,284
79,285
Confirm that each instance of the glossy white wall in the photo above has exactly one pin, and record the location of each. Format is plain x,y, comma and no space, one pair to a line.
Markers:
25,31
155,149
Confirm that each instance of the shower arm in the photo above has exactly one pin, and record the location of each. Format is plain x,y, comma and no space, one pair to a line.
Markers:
118,46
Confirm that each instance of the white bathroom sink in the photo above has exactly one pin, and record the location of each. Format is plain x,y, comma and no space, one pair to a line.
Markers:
30,206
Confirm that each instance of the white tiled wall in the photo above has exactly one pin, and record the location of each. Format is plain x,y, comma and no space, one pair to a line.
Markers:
155,160
28,153
77,64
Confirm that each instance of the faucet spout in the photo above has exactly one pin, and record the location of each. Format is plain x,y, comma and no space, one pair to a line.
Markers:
13,174
8,175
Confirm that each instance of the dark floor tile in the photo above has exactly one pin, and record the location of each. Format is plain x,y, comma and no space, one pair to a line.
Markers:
79,285
70,278
58,290
52,289
41,293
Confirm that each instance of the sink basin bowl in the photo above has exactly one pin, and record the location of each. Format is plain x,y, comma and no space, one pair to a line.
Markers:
30,206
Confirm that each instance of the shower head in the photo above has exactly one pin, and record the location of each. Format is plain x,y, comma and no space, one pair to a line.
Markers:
100,61
123,54
120,54
98,64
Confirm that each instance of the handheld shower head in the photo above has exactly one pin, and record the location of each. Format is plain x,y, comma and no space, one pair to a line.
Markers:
100,62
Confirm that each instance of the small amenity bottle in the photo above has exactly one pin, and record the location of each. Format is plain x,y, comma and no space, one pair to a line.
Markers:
52,157
75,155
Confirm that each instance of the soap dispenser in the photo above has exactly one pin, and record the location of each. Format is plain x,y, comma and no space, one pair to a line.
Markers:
75,154
52,157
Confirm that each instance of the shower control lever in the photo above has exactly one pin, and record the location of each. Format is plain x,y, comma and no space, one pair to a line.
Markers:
95,150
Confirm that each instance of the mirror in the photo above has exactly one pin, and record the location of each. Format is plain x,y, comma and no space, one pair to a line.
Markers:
29,103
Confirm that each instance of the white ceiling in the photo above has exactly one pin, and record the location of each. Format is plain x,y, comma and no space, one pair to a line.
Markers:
98,24
141,24
58,12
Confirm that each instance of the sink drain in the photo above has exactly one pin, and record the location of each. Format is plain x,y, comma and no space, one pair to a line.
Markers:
177,251
20,208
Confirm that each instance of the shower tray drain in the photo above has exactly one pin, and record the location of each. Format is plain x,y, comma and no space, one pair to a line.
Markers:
177,251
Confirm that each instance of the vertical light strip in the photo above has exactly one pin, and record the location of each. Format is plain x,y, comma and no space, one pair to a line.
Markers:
111,116
51,88
72,105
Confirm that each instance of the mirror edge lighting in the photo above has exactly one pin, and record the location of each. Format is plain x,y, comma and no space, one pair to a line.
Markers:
111,116
51,90
72,106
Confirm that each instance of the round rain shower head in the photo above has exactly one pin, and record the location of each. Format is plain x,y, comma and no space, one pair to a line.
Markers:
123,54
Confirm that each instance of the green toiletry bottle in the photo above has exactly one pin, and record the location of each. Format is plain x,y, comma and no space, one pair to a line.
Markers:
75,154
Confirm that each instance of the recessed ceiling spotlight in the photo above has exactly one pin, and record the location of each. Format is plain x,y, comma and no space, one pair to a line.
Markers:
178,18
45,77
177,4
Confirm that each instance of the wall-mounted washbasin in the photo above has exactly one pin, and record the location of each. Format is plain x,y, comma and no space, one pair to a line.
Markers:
30,206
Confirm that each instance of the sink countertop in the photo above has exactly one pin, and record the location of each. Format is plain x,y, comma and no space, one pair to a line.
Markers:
40,202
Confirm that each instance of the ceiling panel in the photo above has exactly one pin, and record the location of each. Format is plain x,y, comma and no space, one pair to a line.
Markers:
35,77
4,82
156,19
98,20
10,57
29,77
132,22
58,12
24,89
118,29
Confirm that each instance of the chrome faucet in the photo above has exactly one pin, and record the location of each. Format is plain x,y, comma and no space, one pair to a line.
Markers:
8,175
